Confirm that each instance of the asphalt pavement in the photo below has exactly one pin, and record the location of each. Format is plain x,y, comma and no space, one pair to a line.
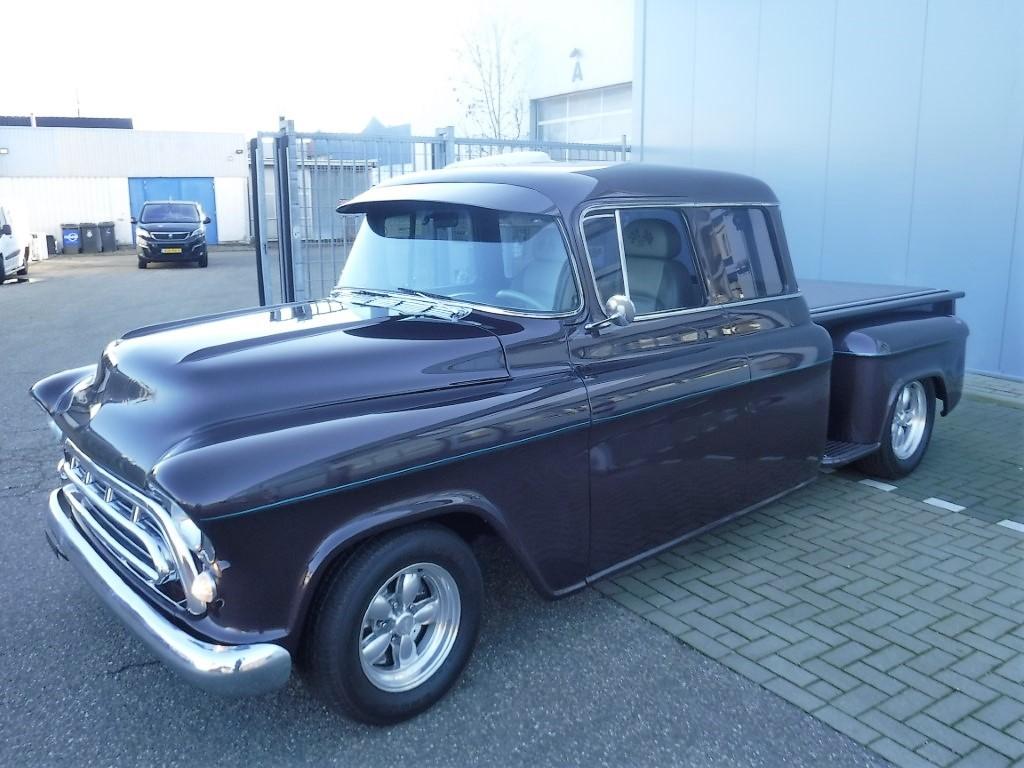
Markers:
580,681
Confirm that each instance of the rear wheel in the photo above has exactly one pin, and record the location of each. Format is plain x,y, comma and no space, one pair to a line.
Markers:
23,272
907,432
396,627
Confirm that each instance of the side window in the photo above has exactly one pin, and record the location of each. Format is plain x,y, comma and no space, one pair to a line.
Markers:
661,267
738,256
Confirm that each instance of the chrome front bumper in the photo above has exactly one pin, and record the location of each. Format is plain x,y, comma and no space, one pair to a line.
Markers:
234,670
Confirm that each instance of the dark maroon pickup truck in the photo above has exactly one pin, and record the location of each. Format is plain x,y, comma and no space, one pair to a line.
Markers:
591,363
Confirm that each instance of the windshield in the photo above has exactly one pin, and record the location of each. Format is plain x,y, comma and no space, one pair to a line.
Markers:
169,213
515,261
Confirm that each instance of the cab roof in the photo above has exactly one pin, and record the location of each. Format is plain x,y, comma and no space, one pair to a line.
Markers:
566,186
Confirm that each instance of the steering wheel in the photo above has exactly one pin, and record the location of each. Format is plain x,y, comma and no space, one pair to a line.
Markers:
521,298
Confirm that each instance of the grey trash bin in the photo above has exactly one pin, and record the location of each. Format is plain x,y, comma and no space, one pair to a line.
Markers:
107,236
90,237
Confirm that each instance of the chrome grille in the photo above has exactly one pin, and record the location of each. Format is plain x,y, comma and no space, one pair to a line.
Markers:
131,527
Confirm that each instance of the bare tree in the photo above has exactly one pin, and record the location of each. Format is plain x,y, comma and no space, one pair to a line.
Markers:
491,91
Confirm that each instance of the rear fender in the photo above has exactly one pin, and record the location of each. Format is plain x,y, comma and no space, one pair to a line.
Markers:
873,361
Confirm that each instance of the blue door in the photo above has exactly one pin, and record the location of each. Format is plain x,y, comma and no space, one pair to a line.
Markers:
198,189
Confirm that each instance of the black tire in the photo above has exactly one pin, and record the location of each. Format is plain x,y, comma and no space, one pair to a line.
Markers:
203,263
884,463
143,264
23,272
334,663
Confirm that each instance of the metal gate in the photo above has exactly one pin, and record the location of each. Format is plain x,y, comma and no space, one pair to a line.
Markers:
298,179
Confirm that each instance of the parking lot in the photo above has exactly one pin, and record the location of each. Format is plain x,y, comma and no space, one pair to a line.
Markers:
847,624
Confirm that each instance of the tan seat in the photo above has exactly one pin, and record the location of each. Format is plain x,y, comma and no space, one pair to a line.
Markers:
658,281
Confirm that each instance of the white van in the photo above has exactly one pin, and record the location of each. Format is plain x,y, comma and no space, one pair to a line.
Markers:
13,252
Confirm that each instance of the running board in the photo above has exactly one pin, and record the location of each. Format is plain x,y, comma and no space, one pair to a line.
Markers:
838,453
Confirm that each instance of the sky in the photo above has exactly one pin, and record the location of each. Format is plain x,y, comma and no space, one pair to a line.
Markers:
233,66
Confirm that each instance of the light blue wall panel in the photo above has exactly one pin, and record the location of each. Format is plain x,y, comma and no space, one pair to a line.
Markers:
672,139
968,165
793,97
891,131
1012,358
876,82
725,81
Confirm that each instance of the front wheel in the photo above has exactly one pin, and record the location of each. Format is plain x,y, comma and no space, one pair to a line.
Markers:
907,432
397,625
23,272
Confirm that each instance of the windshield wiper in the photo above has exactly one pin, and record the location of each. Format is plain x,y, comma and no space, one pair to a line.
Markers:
427,295
401,300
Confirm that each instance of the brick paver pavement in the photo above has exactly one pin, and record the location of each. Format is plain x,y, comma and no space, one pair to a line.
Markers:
898,622
975,460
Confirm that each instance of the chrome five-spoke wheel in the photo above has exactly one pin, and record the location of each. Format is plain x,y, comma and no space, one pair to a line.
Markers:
409,627
910,417
905,434
394,627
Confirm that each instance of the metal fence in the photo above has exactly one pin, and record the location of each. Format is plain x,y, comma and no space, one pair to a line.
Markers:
298,179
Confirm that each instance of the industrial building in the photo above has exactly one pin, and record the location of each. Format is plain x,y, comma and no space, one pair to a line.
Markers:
68,174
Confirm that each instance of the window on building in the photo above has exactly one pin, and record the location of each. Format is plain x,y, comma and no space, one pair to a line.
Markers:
737,252
595,116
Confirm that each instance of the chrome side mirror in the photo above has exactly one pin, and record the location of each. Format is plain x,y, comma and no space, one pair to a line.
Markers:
619,310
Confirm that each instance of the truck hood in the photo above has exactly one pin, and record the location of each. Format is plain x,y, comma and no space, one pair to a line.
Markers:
162,389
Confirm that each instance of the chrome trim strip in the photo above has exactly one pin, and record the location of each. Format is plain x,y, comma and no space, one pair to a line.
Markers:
180,553
234,670
727,306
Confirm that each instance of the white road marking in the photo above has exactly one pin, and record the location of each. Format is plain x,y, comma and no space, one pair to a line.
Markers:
943,504
880,486
1012,525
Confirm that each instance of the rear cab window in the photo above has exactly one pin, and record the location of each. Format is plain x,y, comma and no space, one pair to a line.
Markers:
738,253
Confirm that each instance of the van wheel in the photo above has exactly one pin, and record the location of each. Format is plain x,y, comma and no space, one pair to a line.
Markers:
23,272
908,431
142,264
397,625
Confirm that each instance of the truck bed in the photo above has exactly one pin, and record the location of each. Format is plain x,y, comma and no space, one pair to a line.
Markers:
830,300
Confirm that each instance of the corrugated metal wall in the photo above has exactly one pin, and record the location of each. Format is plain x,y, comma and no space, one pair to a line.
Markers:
55,175
893,134
104,152
43,204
